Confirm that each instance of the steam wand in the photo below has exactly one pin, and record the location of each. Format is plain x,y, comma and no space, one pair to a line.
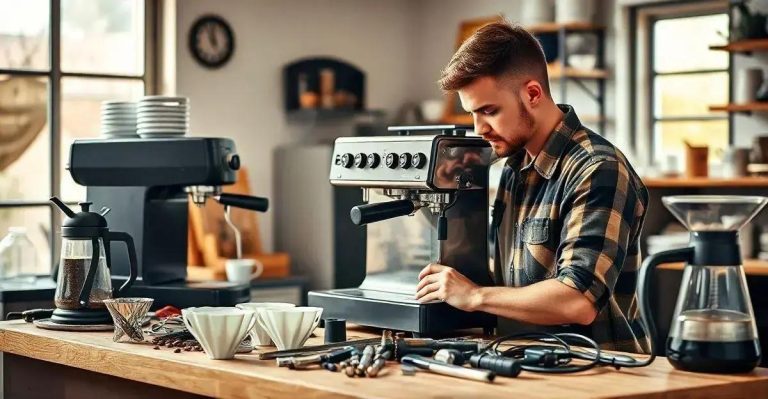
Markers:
238,241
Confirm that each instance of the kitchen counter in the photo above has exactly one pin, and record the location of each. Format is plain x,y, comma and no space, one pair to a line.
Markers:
76,364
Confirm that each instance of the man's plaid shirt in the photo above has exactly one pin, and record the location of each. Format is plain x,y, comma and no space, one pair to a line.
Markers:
574,213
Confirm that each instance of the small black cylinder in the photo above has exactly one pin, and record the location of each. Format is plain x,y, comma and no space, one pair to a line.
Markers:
442,228
335,330
503,366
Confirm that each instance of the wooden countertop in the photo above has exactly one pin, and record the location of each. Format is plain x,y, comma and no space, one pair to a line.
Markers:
247,377
752,267
705,182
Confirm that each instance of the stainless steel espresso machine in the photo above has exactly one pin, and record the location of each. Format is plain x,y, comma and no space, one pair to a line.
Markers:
146,184
438,183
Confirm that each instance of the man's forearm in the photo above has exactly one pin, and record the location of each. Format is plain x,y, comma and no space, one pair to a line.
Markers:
548,302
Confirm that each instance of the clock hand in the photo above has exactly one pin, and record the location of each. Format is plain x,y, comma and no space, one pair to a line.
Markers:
212,37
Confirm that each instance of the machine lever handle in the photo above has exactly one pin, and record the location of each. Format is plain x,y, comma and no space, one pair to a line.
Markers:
258,204
369,213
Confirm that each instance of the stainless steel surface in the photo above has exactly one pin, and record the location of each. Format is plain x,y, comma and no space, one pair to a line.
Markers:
199,194
449,178
235,231
447,158
462,372
715,325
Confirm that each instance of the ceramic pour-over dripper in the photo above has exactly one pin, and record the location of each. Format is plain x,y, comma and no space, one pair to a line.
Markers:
290,328
219,330
259,336
128,315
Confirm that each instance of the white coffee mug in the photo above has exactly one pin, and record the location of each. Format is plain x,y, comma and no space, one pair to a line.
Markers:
241,270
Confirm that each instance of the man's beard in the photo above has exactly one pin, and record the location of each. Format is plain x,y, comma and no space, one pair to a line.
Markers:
511,145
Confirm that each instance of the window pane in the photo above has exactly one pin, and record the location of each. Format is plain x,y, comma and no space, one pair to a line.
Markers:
670,136
80,114
37,221
24,139
683,43
689,95
102,36
24,34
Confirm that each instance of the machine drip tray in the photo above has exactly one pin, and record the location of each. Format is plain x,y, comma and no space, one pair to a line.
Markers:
396,311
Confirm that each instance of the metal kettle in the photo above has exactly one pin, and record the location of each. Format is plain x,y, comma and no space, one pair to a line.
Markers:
83,279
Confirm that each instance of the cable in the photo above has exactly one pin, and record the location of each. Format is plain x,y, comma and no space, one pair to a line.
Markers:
552,353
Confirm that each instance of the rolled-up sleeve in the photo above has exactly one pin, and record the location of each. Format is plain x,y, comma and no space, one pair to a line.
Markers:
599,210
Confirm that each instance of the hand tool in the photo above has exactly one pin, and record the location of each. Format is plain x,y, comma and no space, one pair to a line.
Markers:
449,369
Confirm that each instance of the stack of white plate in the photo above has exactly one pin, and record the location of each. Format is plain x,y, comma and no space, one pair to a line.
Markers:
118,119
163,116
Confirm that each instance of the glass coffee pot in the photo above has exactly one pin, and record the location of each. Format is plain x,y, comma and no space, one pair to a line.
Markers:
713,328
83,280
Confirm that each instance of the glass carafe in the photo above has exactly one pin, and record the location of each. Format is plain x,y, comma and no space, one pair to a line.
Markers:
83,279
75,262
713,328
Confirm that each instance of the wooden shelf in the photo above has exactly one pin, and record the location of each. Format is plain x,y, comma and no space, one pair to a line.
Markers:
743,46
554,27
321,115
466,119
752,267
745,107
555,71
705,182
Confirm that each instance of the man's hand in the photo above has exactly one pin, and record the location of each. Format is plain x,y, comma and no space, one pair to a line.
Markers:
443,283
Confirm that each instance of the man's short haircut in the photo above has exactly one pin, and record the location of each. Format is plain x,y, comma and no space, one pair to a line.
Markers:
501,50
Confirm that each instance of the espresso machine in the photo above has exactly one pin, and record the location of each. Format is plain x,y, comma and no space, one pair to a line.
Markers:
427,201
146,184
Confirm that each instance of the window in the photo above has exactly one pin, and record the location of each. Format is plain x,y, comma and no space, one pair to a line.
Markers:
683,78
58,60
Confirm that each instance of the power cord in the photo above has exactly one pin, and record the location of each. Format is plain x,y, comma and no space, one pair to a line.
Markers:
553,353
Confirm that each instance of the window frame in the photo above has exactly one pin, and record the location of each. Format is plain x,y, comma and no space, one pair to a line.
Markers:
642,21
54,74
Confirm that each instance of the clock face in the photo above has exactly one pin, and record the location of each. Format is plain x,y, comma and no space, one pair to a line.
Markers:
211,41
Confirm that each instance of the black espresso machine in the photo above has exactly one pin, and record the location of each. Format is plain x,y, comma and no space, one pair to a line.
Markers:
439,183
146,184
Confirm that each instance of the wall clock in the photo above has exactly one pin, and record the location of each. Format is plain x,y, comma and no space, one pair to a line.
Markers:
211,41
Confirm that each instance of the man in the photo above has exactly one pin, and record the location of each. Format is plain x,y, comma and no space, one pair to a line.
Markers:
569,210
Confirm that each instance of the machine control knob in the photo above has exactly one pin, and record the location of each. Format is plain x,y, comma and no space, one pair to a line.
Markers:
405,160
392,160
360,160
233,161
419,160
347,160
373,160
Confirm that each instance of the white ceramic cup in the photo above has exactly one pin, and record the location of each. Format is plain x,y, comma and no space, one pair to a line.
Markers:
259,337
241,270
